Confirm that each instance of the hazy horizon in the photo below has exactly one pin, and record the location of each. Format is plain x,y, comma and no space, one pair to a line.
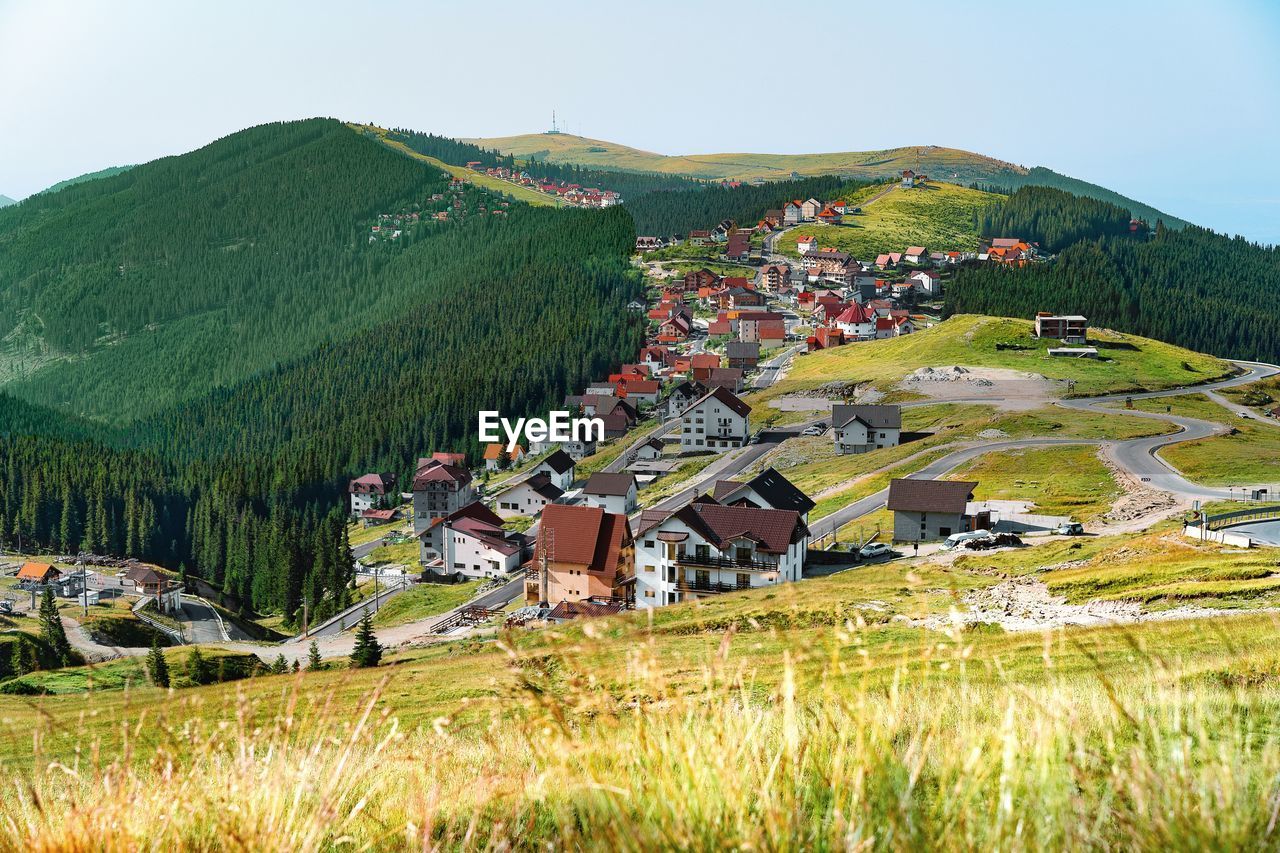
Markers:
1127,98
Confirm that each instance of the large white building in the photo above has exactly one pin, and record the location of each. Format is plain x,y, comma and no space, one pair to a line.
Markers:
527,497
718,421
470,543
368,490
439,489
705,549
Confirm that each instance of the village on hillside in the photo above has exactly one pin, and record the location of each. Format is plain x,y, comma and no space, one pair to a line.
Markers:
670,506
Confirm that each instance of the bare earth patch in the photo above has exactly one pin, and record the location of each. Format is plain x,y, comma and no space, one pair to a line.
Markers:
1008,389
1025,604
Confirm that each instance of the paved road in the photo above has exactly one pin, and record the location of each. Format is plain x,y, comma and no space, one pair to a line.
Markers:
361,551
771,370
200,623
352,614
940,467
1137,456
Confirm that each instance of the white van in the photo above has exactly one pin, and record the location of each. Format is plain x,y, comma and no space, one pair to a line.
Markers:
957,539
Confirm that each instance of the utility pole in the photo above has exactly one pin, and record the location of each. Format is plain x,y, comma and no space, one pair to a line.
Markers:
547,540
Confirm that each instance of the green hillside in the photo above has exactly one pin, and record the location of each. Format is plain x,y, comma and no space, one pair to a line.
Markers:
88,176
201,351
1190,287
947,164
196,271
938,216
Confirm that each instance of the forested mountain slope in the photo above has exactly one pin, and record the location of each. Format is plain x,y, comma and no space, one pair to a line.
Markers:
1191,287
248,337
162,282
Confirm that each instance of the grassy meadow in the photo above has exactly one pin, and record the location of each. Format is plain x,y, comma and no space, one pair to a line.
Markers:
1130,363
938,216
1069,481
793,719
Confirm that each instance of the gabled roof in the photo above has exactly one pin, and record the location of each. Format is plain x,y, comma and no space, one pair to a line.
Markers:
728,398
773,530
742,349
855,314
949,496
493,451
37,572
915,250
560,462
541,483
583,535
379,483
875,417
607,484
440,472
776,490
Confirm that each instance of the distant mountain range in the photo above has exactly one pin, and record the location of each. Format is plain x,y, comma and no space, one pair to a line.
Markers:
87,176
948,164
5,201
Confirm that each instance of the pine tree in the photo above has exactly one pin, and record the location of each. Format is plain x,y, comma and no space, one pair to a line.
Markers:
297,667
157,666
199,668
313,657
367,651
279,666
51,630
17,657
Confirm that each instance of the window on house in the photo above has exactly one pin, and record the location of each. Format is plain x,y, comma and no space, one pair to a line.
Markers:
648,543
648,593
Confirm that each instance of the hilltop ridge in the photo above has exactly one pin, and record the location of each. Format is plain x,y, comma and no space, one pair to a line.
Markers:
939,162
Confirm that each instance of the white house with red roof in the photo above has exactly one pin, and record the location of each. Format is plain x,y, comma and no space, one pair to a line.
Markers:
369,491
438,490
806,243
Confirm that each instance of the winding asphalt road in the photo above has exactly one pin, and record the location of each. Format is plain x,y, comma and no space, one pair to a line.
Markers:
1139,456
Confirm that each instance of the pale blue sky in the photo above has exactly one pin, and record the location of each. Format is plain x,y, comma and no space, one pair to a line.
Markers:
1173,103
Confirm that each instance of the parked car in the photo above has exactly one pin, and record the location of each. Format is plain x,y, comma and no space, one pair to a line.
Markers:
873,550
816,429
1071,528
955,540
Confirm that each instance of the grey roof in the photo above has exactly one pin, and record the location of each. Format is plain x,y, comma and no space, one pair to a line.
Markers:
875,417
776,491
602,483
742,349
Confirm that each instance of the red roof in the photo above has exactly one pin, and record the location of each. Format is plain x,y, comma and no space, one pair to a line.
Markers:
583,535
437,472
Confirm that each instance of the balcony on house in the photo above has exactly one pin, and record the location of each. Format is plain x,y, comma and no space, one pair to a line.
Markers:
742,561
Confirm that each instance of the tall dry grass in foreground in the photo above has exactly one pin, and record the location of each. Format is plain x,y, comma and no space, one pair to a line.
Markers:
1154,760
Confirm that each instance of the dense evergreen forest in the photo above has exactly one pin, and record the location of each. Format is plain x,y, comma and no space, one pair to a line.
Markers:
1039,176
667,213
1191,287
396,345
1053,218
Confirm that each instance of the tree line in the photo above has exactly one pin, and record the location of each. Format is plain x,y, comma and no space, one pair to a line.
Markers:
1053,218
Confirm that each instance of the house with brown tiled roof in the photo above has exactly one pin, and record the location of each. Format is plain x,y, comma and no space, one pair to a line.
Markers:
705,548
925,510
611,492
588,555
470,542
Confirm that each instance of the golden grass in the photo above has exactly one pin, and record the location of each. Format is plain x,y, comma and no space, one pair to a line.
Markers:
939,216
1076,740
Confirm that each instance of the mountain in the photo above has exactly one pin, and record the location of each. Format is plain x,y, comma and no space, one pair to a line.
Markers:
5,201
199,352
88,176
948,164
1189,287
